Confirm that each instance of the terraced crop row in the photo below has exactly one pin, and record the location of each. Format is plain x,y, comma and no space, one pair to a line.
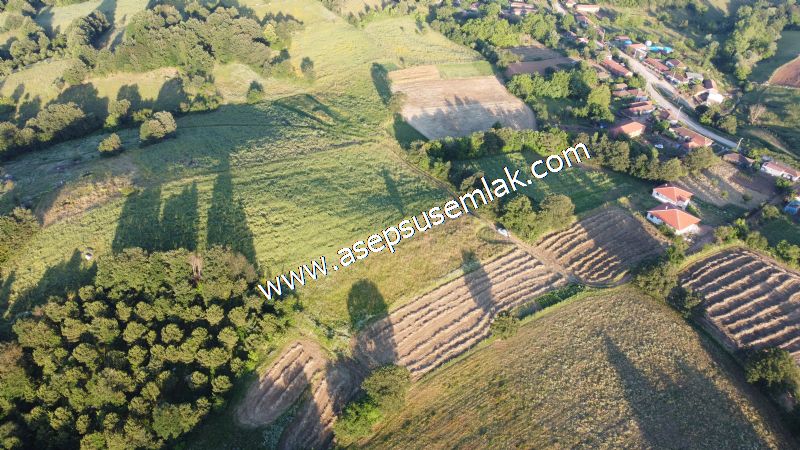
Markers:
421,335
752,300
602,247
447,321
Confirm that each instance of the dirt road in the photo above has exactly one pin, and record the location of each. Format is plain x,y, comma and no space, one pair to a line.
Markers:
653,81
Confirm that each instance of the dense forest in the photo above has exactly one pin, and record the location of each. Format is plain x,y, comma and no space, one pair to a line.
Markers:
136,358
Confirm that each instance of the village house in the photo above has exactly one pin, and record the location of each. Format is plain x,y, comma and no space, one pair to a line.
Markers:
663,114
676,78
570,3
675,64
616,68
777,169
521,8
631,129
584,8
638,108
656,65
637,50
675,218
669,193
694,76
692,139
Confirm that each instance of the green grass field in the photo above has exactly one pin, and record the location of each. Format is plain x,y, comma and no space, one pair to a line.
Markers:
784,104
607,370
285,181
781,229
588,188
465,70
788,49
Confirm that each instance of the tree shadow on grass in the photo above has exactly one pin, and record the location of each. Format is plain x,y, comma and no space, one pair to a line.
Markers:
660,407
380,78
60,280
227,220
478,282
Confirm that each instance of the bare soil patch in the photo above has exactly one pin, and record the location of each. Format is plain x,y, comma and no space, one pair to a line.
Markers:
602,247
439,108
750,300
787,74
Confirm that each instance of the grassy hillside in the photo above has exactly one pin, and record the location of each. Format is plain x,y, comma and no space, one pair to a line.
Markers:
611,370
788,49
588,188
284,181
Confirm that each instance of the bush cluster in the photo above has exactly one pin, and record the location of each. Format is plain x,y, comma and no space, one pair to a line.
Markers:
383,392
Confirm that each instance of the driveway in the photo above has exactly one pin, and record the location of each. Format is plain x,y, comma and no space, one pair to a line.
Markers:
652,82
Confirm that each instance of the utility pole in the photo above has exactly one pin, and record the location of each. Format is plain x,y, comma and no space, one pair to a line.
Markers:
738,144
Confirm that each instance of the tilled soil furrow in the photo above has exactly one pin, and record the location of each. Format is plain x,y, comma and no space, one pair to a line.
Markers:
770,296
723,299
485,301
717,265
736,276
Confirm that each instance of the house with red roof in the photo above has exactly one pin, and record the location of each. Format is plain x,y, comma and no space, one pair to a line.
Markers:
669,193
692,139
637,50
616,68
675,218
631,129
777,169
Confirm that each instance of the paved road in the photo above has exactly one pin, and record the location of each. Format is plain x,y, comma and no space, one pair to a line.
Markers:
557,7
652,81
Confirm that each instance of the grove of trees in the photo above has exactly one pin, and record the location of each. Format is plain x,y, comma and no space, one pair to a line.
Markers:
138,357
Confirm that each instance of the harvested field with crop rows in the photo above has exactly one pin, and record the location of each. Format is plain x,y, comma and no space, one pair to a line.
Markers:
602,247
750,299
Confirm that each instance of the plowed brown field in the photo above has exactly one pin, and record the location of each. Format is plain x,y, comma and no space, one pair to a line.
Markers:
439,108
750,299
602,247
787,74
421,335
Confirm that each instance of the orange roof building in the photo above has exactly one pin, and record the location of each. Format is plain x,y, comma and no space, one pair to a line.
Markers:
631,129
675,218
616,68
669,193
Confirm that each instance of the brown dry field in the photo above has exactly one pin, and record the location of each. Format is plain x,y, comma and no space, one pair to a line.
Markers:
710,184
539,67
457,107
749,299
787,74
420,335
602,247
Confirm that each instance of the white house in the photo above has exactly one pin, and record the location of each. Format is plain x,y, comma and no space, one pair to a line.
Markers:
669,193
675,218
777,169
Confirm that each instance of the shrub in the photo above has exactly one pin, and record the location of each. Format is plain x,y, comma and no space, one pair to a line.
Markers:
505,325
387,386
161,126
75,73
356,422
773,367
110,144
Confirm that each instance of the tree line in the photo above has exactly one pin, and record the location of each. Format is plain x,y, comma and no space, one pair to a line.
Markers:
528,219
